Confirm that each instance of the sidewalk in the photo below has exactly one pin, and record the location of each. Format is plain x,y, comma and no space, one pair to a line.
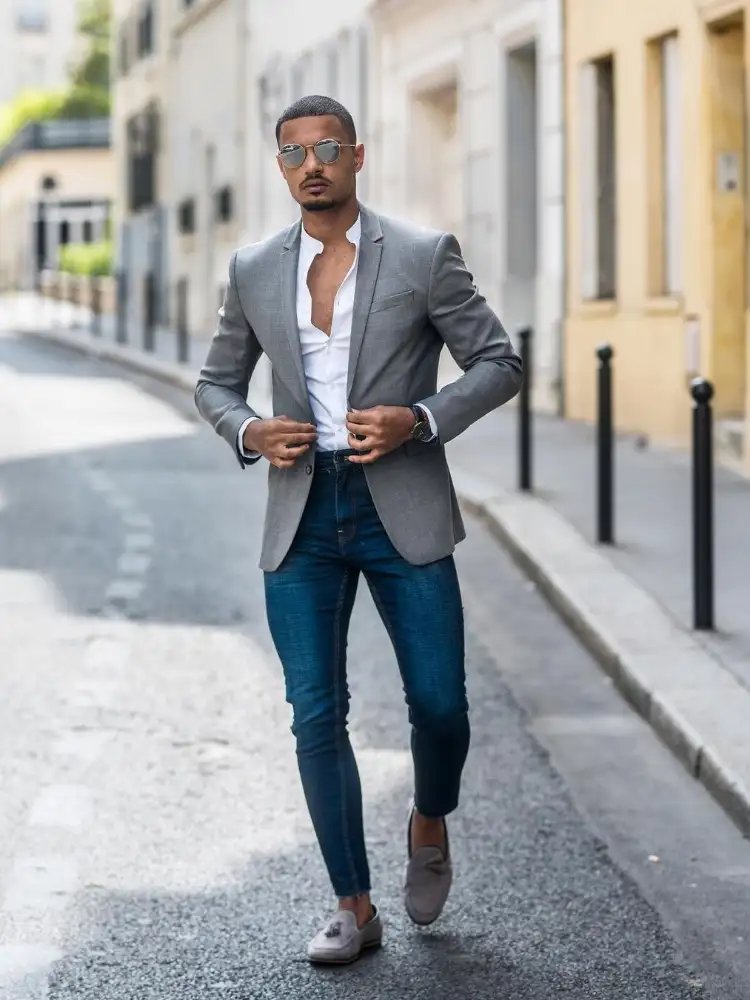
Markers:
631,604
653,519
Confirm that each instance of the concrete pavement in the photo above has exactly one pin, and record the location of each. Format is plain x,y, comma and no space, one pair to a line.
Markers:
629,603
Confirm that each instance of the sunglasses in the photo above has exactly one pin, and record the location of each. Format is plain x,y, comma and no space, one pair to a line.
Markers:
326,151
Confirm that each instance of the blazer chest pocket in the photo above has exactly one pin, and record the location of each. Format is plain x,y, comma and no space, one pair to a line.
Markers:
404,298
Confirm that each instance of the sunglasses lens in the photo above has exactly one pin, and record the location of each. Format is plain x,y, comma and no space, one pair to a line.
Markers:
292,156
327,150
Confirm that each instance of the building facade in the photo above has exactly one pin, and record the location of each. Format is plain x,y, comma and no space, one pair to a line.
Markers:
141,36
657,189
56,187
321,48
38,40
468,137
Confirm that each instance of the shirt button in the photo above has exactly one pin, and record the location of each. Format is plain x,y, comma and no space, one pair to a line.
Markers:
308,469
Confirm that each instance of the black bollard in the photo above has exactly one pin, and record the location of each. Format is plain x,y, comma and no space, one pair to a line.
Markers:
605,468
703,503
182,321
121,290
524,413
96,305
149,310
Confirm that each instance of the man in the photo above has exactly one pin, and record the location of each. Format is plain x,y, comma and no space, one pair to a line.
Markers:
353,309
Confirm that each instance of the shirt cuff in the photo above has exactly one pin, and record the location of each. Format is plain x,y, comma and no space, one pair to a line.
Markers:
431,420
241,435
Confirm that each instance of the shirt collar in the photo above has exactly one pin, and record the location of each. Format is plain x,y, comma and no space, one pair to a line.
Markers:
312,247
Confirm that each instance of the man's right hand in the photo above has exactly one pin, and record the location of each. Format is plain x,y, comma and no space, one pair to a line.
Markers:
281,440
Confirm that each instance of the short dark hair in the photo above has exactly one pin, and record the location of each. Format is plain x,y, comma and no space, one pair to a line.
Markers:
315,106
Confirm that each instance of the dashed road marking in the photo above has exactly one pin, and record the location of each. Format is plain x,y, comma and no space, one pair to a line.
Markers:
24,970
40,884
133,564
124,590
136,521
66,806
139,541
86,745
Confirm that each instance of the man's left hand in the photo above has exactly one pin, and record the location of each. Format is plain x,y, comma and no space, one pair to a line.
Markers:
377,431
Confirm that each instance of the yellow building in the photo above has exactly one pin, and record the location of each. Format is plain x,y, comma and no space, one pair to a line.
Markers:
656,97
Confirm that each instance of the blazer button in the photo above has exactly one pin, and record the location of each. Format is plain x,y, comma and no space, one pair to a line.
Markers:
308,469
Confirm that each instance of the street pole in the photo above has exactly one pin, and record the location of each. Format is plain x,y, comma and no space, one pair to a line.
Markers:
524,414
703,514
605,448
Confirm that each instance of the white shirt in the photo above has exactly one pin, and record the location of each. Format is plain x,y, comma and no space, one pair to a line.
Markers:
325,358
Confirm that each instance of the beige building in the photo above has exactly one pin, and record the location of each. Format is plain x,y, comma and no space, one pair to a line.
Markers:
181,102
467,130
656,98
38,40
56,186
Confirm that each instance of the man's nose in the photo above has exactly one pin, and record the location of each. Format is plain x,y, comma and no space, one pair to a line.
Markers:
312,164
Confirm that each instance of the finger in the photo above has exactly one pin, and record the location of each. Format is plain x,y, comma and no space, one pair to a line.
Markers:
367,459
296,437
363,417
293,452
300,425
359,442
282,463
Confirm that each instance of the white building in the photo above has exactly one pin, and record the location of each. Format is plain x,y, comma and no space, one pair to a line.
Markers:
38,40
468,137
312,48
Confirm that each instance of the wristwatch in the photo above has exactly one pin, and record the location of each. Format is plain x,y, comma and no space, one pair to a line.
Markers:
421,431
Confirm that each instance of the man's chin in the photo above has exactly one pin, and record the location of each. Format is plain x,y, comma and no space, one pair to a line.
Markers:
319,205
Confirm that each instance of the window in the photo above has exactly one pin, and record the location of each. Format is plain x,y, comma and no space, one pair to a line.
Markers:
599,201
224,204
332,69
142,143
32,15
664,150
88,231
146,30
186,216
124,48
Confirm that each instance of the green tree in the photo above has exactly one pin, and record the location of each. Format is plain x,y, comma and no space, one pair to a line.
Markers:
95,25
90,76
87,95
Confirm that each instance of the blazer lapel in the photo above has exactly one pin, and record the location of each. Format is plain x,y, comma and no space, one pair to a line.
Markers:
370,252
289,261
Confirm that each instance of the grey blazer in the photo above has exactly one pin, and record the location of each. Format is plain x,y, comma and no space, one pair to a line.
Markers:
413,294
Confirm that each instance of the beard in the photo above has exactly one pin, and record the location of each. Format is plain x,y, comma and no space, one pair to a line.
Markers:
321,204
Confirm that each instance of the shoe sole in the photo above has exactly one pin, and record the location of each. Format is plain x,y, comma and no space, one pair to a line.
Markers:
345,961
422,923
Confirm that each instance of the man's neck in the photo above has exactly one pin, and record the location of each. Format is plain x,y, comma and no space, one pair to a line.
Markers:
333,225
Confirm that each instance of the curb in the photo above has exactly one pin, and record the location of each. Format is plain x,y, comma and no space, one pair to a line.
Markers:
85,343
692,702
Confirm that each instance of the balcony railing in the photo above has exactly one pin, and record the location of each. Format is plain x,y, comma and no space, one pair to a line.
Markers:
60,133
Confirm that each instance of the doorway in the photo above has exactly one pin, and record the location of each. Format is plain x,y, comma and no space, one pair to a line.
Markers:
521,194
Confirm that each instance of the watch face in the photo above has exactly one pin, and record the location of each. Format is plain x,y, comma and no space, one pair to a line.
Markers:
423,432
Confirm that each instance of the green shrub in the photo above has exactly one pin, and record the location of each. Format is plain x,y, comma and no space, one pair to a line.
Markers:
29,106
93,259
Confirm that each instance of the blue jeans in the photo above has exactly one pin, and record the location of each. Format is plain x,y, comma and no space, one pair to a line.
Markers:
309,601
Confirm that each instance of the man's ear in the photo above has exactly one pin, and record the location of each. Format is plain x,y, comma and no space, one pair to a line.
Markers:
359,158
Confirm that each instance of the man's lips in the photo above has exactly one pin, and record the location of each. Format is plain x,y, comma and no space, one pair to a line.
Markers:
314,185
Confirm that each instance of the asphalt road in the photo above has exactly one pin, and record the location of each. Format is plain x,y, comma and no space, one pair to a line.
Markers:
153,837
